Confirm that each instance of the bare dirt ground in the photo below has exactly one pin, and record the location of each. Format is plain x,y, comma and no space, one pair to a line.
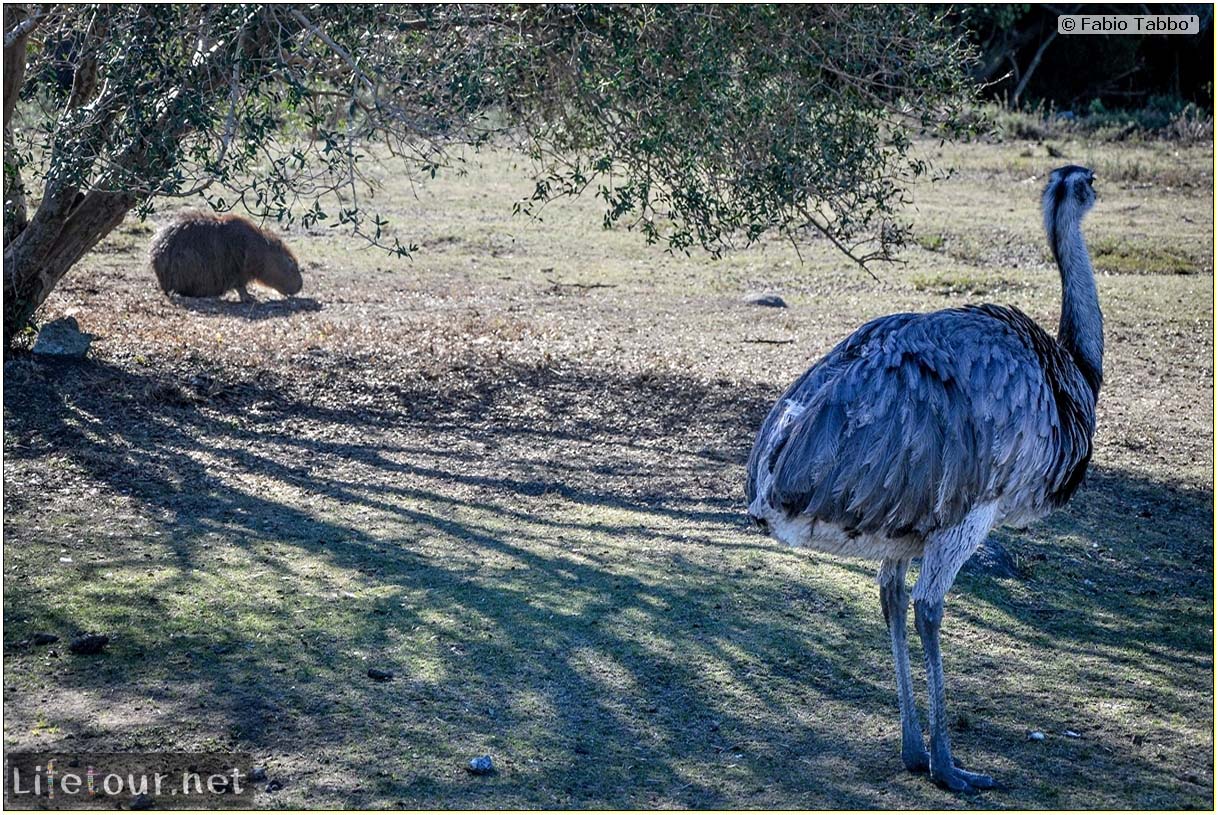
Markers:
510,471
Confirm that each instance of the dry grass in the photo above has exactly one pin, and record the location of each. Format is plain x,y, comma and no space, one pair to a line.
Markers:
524,498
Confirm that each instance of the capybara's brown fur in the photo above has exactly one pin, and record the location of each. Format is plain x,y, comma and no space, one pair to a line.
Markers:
201,254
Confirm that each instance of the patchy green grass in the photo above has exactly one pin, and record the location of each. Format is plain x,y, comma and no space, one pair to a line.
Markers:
1116,257
523,497
931,243
958,282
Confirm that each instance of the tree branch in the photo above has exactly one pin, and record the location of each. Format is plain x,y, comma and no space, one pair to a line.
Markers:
22,30
336,48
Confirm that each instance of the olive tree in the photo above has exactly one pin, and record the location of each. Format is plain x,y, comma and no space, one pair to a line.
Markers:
699,126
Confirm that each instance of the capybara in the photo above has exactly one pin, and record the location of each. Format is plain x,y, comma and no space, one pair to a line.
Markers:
200,254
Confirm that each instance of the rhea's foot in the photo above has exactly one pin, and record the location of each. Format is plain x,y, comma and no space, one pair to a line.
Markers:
916,759
958,780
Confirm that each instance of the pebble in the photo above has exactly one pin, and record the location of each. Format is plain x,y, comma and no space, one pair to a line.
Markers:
142,801
43,639
482,765
258,774
1036,735
275,786
89,644
767,300
1070,734
379,675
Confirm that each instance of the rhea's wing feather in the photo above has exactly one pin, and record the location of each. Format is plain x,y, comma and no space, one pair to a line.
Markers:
928,417
770,438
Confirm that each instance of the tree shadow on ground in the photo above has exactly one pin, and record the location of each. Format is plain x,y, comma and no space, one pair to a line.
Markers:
555,563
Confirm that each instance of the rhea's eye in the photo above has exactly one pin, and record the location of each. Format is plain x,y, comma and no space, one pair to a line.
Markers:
1090,179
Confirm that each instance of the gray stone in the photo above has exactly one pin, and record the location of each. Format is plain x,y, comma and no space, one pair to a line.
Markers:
767,300
482,765
89,644
992,559
62,338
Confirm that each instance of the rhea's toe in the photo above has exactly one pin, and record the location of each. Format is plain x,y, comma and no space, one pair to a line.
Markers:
978,780
961,781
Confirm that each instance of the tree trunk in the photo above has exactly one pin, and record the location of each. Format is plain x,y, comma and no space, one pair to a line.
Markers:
17,25
14,75
32,269
69,221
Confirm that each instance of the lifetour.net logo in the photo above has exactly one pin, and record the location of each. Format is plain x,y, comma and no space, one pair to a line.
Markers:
65,780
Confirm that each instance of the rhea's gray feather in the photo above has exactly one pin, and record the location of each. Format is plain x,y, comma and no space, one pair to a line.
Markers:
915,419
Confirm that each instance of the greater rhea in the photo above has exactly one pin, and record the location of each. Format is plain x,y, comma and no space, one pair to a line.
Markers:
919,433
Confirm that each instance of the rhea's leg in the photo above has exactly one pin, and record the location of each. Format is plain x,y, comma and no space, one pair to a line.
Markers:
944,555
894,601
244,294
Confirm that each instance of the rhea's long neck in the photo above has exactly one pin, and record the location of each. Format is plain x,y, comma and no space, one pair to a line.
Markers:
1081,331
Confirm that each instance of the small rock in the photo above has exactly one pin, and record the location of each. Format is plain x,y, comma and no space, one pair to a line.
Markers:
43,639
767,300
142,801
89,644
1070,734
274,786
482,765
62,338
258,774
1036,735
992,559
379,675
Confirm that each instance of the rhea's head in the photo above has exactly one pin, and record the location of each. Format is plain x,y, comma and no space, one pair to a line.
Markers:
1068,195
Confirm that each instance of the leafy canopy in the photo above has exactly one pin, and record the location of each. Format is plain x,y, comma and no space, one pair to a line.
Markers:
704,126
